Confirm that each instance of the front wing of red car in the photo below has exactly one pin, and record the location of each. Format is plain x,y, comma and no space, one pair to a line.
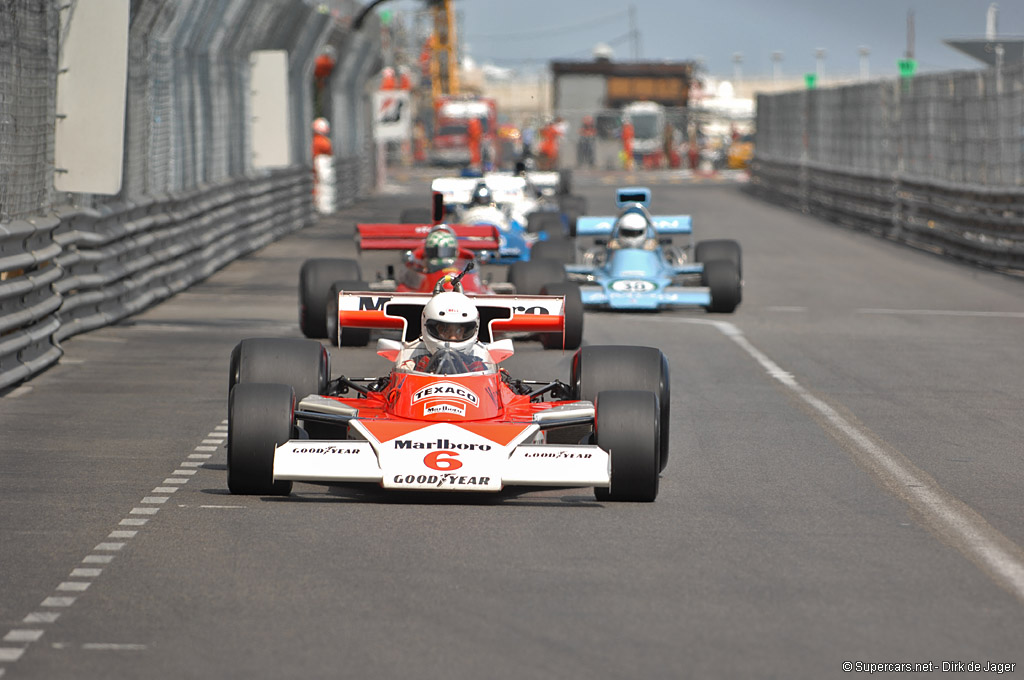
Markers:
443,457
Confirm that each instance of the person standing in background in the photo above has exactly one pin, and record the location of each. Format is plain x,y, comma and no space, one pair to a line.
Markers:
585,146
474,131
627,143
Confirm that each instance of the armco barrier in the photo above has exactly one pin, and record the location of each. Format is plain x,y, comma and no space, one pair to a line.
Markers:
983,225
92,267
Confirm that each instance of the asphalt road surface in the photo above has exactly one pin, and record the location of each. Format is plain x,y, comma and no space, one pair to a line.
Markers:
844,485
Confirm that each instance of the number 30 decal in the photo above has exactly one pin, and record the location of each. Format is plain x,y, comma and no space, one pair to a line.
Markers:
442,460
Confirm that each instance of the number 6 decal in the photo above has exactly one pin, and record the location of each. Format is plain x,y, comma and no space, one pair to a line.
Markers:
442,460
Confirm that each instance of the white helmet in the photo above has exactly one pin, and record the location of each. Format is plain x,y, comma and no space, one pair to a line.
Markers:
450,321
632,230
321,126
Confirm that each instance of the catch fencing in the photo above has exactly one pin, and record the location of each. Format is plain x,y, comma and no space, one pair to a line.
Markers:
935,161
191,199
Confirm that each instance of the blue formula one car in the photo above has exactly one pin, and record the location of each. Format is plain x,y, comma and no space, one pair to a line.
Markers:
636,264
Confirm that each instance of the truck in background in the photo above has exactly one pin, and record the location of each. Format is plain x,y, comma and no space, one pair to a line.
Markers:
450,142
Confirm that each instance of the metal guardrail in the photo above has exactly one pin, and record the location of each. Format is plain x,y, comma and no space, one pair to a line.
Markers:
982,225
89,268
192,198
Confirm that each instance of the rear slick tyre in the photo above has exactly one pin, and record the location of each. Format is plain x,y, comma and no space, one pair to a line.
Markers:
573,313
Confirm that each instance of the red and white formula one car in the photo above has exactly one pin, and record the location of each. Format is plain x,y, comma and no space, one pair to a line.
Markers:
431,252
446,417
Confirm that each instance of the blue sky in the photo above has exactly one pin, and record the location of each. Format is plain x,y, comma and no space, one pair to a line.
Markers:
526,34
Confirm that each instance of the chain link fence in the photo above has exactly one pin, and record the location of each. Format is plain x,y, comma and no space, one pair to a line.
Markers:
191,199
935,161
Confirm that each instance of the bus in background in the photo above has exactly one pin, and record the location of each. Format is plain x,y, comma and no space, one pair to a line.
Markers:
648,119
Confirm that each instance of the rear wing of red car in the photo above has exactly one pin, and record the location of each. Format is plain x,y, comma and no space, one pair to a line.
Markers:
498,313
410,236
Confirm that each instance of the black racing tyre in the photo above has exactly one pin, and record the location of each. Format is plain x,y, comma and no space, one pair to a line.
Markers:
597,368
723,278
719,249
315,281
627,426
574,207
550,222
565,181
529,277
303,365
349,337
260,416
416,216
573,316
559,249
573,203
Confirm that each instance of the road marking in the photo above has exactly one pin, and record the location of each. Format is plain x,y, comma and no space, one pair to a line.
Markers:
954,521
59,601
206,448
944,312
74,586
23,635
111,647
109,546
81,572
202,456
228,507
123,534
20,391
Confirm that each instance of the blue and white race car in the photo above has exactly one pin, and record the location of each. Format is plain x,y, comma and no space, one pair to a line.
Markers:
637,266
525,209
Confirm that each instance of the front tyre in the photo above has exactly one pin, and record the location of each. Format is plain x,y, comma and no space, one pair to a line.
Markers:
627,426
260,417
723,278
597,368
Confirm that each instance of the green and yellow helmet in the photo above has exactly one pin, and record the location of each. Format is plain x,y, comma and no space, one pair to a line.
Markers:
440,249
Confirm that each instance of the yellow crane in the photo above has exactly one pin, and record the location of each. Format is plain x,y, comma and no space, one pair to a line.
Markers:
444,63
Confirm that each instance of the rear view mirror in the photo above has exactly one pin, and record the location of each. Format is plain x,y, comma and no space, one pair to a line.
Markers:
437,213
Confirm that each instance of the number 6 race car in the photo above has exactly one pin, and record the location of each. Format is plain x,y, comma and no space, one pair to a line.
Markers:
444,421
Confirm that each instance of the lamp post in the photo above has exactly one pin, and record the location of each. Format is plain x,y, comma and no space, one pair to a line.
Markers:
776,67
863,51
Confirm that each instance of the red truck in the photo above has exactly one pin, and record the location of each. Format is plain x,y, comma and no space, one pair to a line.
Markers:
451,129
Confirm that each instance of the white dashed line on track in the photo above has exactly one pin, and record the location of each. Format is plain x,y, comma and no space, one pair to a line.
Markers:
943,312
954,521
102,554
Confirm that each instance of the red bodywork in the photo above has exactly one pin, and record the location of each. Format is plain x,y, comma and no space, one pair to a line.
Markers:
414,277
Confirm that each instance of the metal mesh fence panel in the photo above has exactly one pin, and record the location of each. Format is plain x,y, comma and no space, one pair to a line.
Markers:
955,127
28,71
